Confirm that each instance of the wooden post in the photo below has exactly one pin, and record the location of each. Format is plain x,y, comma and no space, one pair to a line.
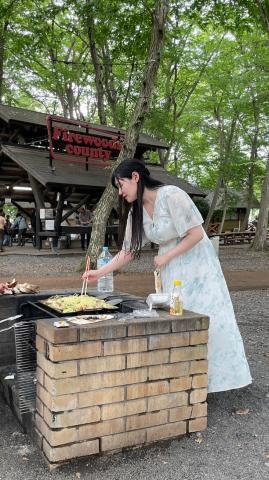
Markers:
39,203
58,217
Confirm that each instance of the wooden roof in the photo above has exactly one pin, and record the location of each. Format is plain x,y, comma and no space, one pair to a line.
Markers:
36,163
23,116
235,199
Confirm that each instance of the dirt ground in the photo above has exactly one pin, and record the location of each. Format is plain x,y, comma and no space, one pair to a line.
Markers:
143,283
243,269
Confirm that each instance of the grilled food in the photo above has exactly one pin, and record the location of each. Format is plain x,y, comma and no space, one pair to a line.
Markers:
76,303
9,288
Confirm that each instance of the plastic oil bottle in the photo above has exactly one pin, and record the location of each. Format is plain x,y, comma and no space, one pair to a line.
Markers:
105,284
176,302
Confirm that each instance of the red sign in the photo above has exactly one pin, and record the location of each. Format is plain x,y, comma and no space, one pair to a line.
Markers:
67,145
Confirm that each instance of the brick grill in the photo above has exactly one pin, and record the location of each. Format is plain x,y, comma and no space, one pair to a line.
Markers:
102,388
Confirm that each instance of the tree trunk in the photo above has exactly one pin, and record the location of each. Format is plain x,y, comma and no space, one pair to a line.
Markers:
253,158
176,162
142,106
127,93
225,150
260,237
214,202
2,48
6,14
2,56
111,93
162,156
70,100
244,224
96,64
223,212
63,103
263,13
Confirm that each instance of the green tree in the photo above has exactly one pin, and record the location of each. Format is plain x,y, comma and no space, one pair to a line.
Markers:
159,16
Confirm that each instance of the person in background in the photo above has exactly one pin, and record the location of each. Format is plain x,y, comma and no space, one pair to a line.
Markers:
165,215
33,226
21,225
113,221
7,233
2,229
84,219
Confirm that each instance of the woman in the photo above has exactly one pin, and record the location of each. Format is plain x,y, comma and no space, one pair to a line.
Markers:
7,233
165,215
21,225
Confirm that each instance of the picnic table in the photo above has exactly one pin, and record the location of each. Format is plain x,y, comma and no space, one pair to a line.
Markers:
111,231
232,238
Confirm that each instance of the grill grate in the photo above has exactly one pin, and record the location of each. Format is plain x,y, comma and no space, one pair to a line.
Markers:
26,365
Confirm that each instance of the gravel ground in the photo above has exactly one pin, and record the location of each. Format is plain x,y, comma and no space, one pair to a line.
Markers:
240,257
234,447
231,258
12,265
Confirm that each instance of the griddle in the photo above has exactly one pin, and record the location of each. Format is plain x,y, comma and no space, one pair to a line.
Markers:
58,313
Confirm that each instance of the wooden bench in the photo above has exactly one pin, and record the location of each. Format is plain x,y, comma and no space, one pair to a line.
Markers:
232,238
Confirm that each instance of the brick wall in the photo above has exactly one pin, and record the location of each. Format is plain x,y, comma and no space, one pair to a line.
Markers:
104,388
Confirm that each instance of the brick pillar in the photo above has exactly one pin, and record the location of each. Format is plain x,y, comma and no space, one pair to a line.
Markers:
107,387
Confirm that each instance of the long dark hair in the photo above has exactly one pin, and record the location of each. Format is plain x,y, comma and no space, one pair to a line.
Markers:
125,170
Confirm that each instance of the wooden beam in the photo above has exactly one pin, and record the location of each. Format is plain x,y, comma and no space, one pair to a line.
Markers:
19,180
40,203
58,218
76,207
21,209
59,211
37,192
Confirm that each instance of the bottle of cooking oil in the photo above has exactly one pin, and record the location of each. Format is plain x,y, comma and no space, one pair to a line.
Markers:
176,302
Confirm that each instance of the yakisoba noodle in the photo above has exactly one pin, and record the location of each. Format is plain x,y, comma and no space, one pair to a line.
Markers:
76,303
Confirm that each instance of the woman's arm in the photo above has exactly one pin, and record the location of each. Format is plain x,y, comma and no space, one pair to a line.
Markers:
121,259
193,236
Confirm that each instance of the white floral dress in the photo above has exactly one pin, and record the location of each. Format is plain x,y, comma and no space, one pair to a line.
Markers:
204,288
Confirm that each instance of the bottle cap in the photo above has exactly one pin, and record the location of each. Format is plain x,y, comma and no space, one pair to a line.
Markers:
105,248
177,283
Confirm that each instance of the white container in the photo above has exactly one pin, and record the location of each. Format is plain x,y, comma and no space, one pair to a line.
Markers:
49,225
157,300
106,283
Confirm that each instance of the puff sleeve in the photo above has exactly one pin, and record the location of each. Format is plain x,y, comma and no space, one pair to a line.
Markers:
184,213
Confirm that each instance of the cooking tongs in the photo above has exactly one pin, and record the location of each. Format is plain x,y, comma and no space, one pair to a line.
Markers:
85,280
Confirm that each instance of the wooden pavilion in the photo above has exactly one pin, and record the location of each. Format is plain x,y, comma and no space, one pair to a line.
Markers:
235,205
46,160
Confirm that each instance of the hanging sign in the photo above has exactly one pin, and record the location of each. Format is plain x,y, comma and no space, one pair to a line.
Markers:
78,142
86,145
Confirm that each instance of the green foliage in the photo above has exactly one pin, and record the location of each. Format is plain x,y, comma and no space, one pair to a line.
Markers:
10,210
214,70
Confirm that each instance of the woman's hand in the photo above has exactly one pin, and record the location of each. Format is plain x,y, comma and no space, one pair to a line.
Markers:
92,276
160,260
